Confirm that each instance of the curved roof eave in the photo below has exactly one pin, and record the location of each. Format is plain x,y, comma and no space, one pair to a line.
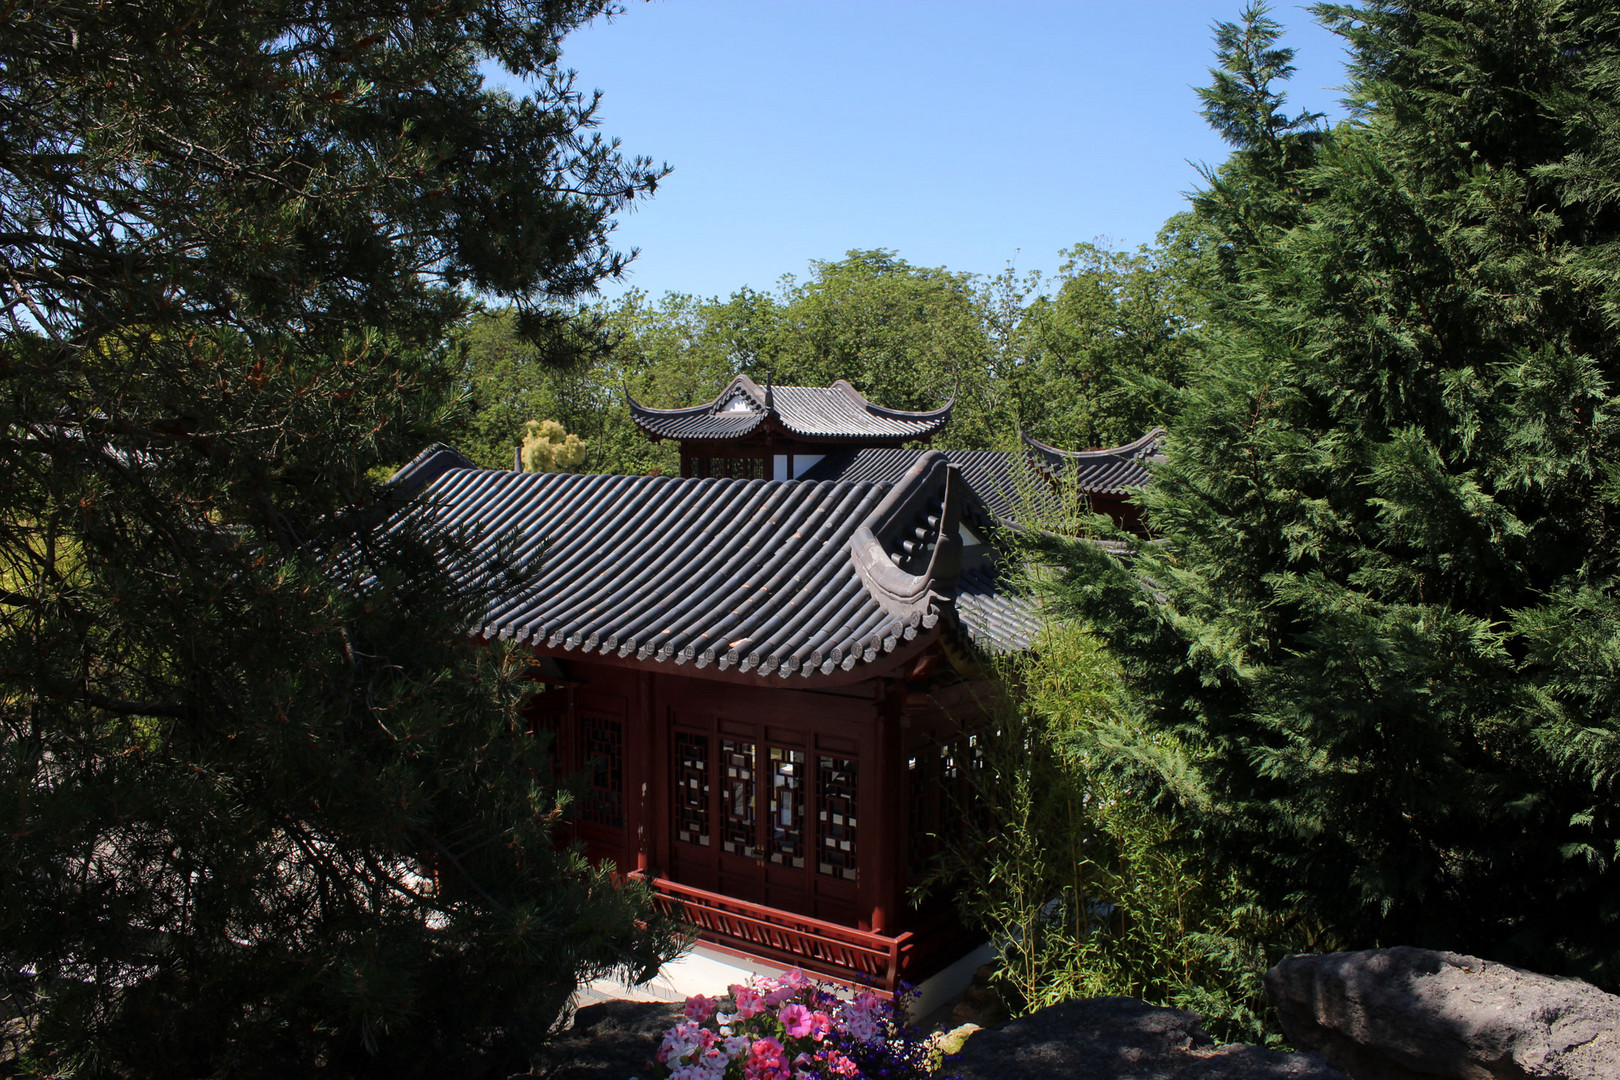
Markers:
926,416
1142,449
688,422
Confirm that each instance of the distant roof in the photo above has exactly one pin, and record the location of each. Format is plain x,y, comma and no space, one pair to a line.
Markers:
992,477
781,578
1118,470
989,475
836,412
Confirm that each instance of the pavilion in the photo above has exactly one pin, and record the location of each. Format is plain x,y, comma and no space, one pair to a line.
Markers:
770,670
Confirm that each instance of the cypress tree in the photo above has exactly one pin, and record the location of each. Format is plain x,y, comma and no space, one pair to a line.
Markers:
1373,643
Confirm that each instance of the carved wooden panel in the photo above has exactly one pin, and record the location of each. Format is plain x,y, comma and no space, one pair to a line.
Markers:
787,769
603,738
737,797
692,788
836,818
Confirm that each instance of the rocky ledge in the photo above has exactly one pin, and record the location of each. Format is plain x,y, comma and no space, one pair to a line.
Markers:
1382,1014
1118,1038
1415,1014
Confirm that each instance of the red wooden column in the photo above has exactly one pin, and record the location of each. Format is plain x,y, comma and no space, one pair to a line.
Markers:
883,810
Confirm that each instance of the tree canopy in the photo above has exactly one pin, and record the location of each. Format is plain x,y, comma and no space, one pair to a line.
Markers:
1099,357
1088,365
263,809
1372,644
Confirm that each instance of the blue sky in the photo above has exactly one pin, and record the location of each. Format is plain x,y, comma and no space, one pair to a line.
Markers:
959,134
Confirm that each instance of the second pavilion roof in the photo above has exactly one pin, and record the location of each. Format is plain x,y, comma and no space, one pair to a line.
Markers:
836,413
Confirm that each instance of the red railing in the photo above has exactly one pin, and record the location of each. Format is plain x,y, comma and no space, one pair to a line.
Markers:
792,940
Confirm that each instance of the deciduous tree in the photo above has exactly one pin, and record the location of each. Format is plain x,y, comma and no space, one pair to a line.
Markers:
1103,354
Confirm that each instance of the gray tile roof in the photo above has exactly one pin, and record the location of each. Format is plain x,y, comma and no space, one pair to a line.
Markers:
781,578
828,413
1118,470
996,619
1003,495
997,496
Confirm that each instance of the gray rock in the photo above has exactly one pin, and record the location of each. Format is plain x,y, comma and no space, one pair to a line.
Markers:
1413,1014
611,1040
1116,1038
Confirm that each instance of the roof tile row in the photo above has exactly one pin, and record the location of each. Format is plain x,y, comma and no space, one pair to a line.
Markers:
755,575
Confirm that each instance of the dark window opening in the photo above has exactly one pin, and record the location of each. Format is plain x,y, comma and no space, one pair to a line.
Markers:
736,468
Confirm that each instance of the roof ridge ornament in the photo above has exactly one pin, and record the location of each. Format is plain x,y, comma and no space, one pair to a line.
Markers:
915,598
427,467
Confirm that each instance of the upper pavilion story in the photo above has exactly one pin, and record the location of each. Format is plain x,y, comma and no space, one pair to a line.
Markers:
779,432
834,433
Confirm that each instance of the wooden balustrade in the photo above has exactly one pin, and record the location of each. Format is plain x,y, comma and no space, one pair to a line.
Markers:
825,948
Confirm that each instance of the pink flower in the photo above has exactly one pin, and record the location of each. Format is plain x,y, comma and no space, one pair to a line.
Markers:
796,1019
862,1018
785,988
766,1061
840,1064
699,1008
749,1001
820,1025
679,1041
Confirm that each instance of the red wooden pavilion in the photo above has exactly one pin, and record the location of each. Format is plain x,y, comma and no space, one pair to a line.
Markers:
774,685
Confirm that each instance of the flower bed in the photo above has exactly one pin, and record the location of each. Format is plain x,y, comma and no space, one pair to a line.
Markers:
793,1029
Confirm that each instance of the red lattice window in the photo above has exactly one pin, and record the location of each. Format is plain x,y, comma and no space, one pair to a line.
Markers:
836,836
787,807
737,798
692,788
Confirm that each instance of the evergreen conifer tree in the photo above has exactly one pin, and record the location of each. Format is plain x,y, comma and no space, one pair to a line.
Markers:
263,808
1373,642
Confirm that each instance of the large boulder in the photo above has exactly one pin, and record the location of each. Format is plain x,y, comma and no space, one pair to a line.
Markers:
1117,1038
1413,1014
611,1040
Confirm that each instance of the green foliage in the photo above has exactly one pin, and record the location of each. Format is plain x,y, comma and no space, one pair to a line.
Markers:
907,337
263,809
1101,357
1085,887
1092,364
510,380
1377,629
